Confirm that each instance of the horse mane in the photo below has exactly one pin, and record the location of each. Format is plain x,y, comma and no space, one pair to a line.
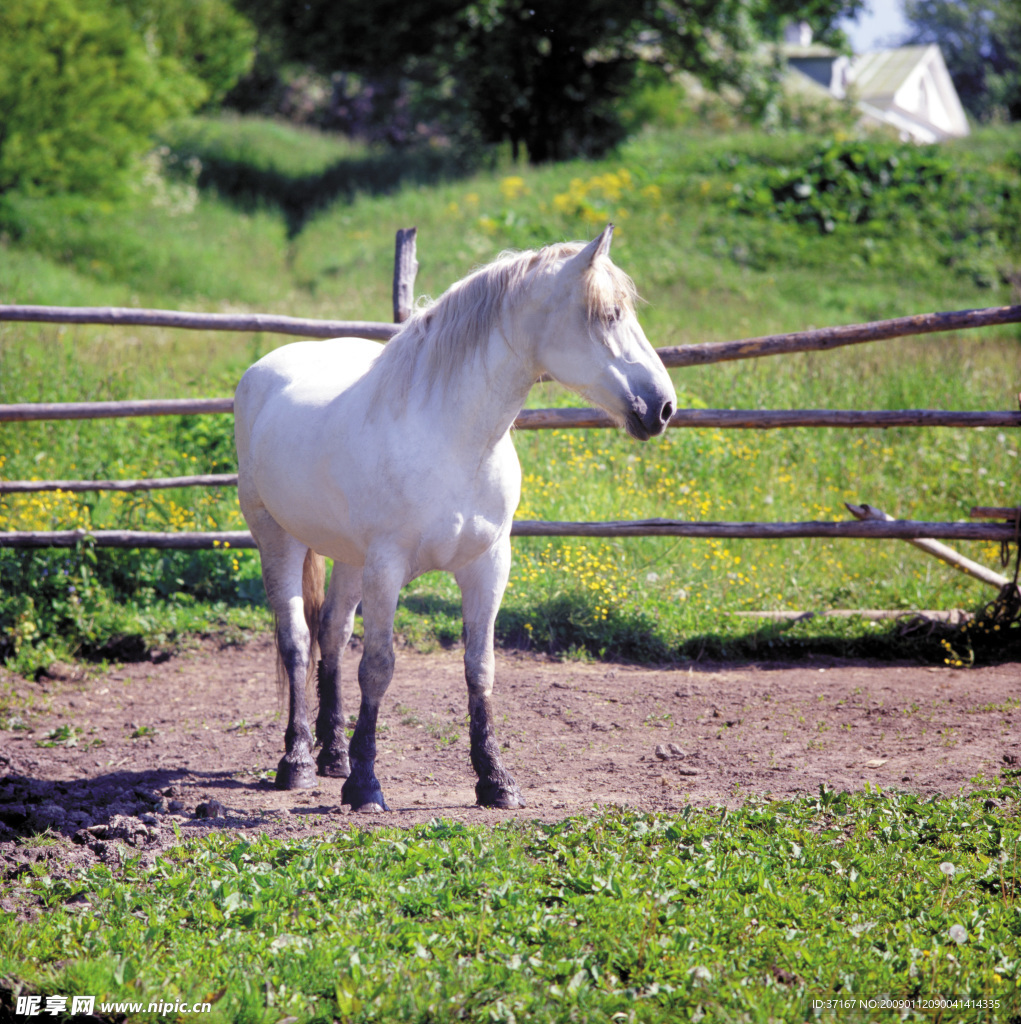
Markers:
442,334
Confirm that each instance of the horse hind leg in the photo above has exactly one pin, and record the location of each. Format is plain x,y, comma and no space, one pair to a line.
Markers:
334,633
290,572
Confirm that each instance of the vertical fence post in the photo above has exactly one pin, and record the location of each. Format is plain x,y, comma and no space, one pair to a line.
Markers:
405,269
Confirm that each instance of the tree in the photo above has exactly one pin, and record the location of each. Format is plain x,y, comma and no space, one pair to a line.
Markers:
78,94
209,39
83,85
981,43
546,76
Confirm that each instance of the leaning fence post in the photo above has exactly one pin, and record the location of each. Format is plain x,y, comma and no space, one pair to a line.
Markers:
405,269
934,548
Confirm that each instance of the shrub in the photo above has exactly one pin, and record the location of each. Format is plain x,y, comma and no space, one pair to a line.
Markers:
83,86
879,195
207,38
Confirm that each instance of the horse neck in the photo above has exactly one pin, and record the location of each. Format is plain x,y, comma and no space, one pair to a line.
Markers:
486,392
472,395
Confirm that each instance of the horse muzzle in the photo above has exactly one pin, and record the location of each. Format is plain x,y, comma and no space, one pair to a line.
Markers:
649,417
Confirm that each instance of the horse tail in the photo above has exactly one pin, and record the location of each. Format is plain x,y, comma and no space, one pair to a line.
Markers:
313,595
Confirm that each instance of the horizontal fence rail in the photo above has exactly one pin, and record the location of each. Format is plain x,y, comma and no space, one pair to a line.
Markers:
155,483
566,419
825,338
259,322
25,411
126,539
772,419
819,339
903,529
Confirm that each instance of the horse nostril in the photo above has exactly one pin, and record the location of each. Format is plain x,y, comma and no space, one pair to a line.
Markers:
666,412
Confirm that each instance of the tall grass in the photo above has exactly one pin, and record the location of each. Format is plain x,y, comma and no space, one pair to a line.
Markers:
698,262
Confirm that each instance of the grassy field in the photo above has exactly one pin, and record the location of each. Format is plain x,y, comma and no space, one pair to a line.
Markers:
760,913
714,257
775,911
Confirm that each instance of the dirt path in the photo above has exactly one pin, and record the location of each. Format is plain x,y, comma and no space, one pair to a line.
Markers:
155,742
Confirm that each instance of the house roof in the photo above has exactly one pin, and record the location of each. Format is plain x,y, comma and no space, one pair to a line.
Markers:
879,74
911,89
907,88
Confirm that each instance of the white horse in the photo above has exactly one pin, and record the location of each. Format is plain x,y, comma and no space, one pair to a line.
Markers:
396,460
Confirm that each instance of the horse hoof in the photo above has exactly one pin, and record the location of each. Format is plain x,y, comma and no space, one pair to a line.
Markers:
295,776
371,808
333,766
503,798
369,800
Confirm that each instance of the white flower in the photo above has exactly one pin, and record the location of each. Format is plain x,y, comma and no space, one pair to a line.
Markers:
947,868
958,933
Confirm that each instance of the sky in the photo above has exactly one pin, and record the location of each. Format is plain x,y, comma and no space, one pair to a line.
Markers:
881,25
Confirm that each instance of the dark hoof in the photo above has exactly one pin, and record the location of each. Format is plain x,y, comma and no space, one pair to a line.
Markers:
295,776
363,798
333,766
503,797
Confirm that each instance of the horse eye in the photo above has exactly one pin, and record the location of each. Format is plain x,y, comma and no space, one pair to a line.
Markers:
614,315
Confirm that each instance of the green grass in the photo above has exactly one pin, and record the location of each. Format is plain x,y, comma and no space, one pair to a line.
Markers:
748,914
708,272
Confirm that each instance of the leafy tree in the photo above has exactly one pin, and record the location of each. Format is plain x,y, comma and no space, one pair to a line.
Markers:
79,94
208,38
83,84
547,76
981,43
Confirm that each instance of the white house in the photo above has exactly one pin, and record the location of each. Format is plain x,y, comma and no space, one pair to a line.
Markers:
908,88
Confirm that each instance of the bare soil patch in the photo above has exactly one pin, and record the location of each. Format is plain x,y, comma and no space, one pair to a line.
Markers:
156,743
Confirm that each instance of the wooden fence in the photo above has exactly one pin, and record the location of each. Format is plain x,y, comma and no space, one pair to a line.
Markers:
405,268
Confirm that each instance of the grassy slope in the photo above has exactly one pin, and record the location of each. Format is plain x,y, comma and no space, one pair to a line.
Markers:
707,273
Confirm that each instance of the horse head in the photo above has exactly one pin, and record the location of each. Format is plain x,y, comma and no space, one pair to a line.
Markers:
594,344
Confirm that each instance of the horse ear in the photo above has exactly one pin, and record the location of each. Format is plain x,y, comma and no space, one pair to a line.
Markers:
603,242
597,247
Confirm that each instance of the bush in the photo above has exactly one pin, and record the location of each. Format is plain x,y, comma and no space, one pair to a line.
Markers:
208,39
880,196
83,86
122,604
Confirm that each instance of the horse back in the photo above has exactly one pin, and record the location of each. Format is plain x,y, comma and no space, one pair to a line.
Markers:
305,374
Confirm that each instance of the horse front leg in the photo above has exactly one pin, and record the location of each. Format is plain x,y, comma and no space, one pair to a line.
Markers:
482,585
334,633
381,583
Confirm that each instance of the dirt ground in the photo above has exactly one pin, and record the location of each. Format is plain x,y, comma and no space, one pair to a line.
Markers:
178,748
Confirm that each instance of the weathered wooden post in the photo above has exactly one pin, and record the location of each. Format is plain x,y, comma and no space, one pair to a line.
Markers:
405,269
933,547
